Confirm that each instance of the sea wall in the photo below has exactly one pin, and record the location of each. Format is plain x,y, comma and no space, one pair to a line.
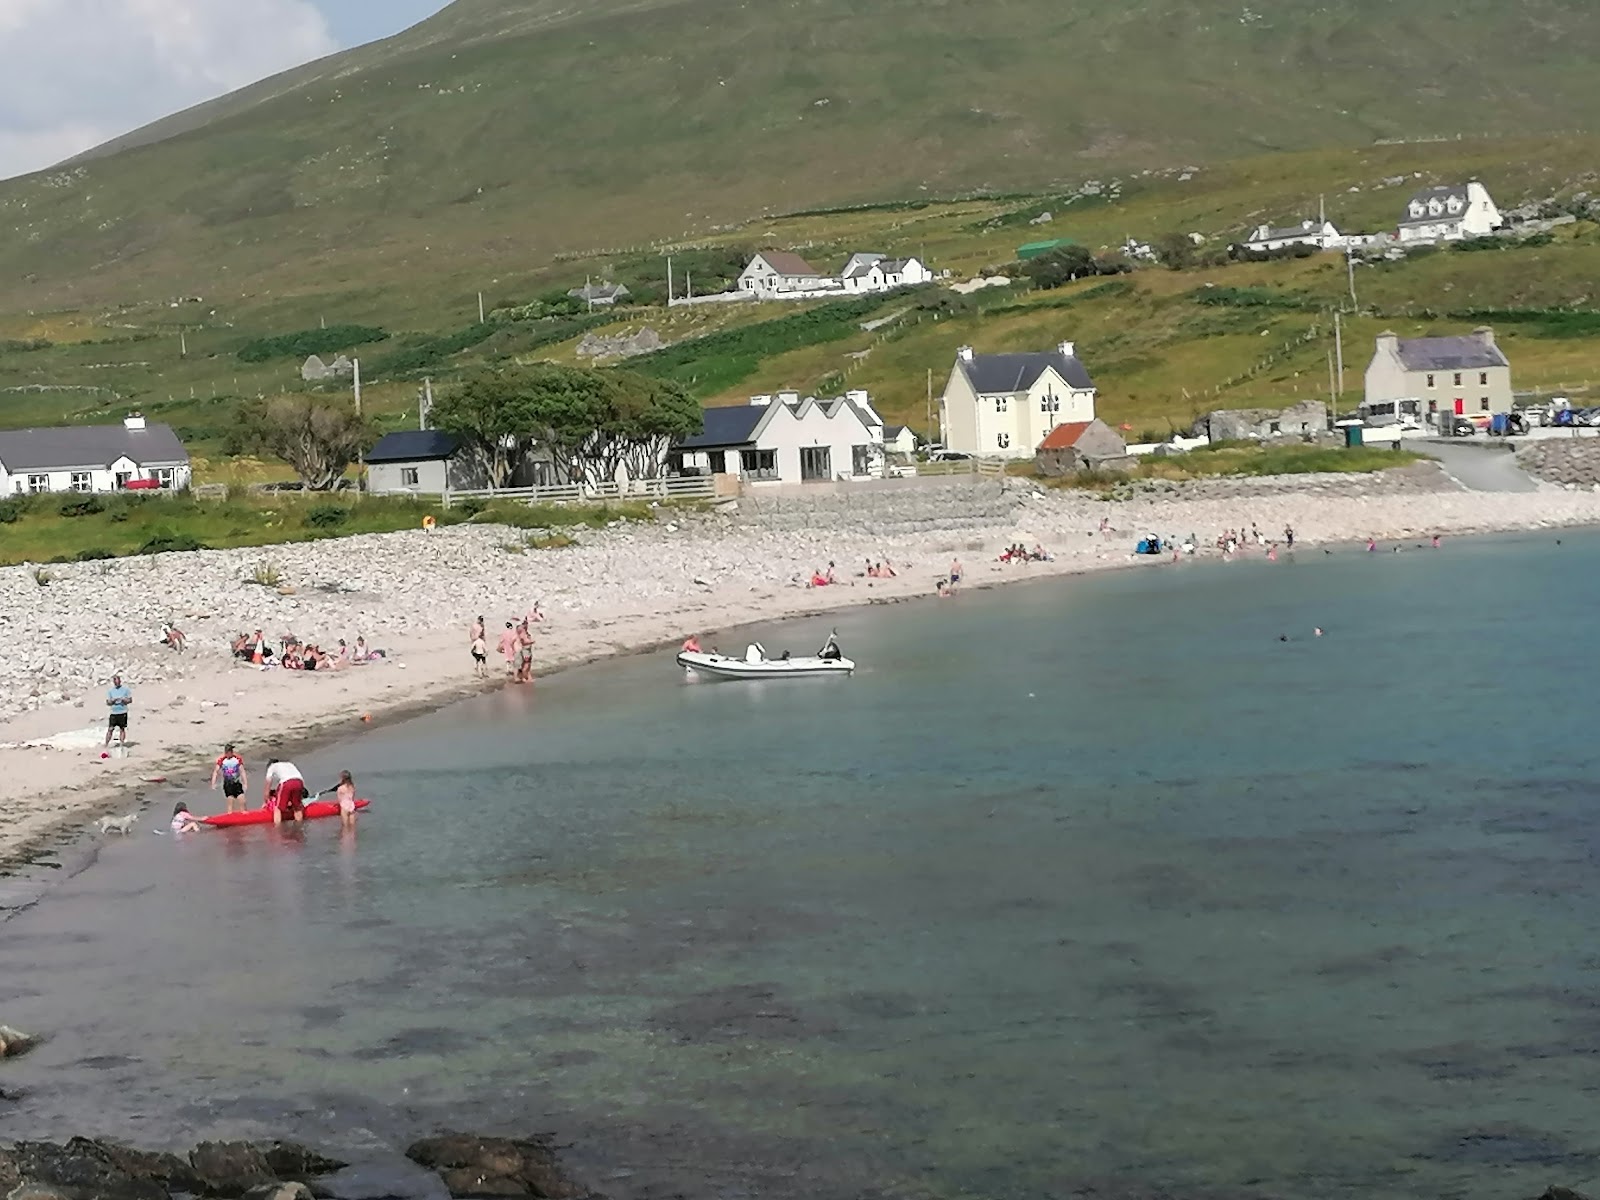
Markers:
886,507
1571,461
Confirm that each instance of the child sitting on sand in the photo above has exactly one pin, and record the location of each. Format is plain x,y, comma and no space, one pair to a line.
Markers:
183,821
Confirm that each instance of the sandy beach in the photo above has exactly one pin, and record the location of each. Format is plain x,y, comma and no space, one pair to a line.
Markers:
621,589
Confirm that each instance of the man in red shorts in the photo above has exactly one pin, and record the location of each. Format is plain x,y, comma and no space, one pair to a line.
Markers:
286,791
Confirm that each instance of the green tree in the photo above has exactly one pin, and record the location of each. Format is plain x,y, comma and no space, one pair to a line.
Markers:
316,436
1059,266
492,413
1175,250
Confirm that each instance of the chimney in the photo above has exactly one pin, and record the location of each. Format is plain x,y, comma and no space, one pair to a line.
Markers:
858,396
788,396
133,421
1485,335
1068,349
760,401
964,354
1388,342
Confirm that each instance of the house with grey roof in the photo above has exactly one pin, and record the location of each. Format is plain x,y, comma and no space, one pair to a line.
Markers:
601,295
422,461
1004,405
1319,235
1449,214
880,273
776,274
1421,378
92,458
785,438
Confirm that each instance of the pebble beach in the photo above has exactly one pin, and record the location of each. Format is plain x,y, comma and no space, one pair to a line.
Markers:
622,589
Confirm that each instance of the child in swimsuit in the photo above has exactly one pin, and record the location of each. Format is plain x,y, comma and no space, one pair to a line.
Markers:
346,796
183,821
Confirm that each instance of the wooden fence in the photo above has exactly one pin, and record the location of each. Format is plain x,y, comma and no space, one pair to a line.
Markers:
985,468
687,487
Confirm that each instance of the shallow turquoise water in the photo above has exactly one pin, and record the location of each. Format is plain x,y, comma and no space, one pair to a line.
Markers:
1090,884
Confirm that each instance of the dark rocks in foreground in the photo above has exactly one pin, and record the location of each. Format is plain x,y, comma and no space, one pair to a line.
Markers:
88,1169
473,1166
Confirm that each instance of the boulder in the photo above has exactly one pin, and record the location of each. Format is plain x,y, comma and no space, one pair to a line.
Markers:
80,1170
1556,1192
289,1160
491,1166
293,1190
230,1168
14,1042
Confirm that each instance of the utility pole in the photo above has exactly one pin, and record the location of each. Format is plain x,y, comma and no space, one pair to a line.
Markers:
688,285
480,308
928,423
669,281
1338,350
427,404
361,455
1350,269
588,290
183,344
1333,395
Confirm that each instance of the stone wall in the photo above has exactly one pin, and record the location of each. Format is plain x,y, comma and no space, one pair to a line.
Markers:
889,506
1571,461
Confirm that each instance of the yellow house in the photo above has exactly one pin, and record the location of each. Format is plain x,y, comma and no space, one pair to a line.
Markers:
1003,405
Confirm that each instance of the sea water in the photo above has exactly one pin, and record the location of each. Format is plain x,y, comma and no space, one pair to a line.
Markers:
1124,883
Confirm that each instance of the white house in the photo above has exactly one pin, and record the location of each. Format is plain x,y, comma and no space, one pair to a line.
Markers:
784,439
880,273
1450,213
775,273
1467,375
1003,405
91,458
900,440
1319,234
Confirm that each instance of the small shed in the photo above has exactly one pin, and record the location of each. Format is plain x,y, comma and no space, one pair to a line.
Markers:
427,461
1034,249
1075,445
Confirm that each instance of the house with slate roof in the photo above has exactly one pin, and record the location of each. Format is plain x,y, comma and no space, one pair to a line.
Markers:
880,273
787,439
776,273
600,295
423,461
1449,214
1320,235
91,458
1004,405
1422,377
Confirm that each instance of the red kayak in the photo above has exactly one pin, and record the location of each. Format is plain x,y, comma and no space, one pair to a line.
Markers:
316,810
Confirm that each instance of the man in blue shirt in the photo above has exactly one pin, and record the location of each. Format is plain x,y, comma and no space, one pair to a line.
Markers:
117,700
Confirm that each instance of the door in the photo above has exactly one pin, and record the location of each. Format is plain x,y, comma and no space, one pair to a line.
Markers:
815,464
1461,407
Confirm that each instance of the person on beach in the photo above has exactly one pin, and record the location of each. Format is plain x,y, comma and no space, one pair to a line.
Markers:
172,636
360,656
229,770
118,699
1436,541
475,630
955,573
184,821
1272,552
480,655
1288,537
524,654
1372,544
345,794
508,648
285,791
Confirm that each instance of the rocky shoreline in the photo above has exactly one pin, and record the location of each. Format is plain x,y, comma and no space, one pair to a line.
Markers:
82,1168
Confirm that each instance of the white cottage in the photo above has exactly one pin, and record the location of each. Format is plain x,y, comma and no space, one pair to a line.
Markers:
1449,214
880,273
774,273
1003,405
92,458
1320,235
786,439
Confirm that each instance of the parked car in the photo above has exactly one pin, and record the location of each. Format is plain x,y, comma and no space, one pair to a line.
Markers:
948,456
141,485
1459,427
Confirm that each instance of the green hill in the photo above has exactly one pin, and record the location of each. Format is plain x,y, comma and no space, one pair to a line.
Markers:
485,141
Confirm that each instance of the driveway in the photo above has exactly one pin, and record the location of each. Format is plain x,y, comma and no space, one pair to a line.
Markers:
1480,467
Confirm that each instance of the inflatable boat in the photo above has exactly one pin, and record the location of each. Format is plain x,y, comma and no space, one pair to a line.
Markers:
758,666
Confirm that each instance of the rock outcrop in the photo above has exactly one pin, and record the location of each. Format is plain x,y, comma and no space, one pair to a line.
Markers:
88,1169
473,1166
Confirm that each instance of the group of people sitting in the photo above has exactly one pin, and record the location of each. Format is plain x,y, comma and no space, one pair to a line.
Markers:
295,655
882,570
1020,553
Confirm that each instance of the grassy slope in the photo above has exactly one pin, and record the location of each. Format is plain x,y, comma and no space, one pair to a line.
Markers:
505,130
1147,340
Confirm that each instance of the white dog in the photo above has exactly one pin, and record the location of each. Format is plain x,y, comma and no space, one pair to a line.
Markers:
122,825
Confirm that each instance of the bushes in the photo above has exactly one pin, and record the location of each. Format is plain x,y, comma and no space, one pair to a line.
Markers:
81,506
10,510
1245,297
327,516
310,341
94,554
166,542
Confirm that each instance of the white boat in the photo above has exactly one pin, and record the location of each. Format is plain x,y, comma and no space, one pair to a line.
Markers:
756,665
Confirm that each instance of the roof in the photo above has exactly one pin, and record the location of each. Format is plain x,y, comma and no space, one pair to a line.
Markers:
860,264
1003,374
893,432
599,291
731,425
1307,229
87,446
414,445
1468,353
1456,190
1064,437
785,263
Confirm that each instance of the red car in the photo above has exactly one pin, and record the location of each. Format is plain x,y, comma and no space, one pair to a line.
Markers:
138,485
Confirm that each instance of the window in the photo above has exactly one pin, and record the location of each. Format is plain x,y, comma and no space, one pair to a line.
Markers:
1049,404
861,460
1001,404
1458,378
1430,380
816,464
409,477
1433,406
1003,440
166,477
82,481
38,483
1483,379
1483,405
758,464
123,478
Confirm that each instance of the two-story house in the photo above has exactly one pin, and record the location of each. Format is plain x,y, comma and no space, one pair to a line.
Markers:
1468,376
783,438
1004,405
1449,214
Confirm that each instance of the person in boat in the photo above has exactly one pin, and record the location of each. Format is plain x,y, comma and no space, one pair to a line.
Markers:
830,649
691,644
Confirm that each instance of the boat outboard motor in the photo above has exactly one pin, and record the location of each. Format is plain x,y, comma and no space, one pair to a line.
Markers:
830,649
